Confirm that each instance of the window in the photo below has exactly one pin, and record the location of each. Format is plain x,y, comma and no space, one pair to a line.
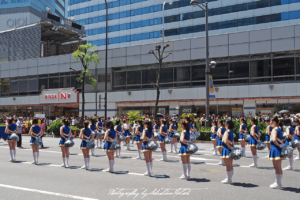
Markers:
33,85
43,84
101,78
260,68
133,77
198,72
297,65
239,69
119,78
65,82
14,86
74,82
166,75
283,66
149,76
23,86
220,72
53,83
182,73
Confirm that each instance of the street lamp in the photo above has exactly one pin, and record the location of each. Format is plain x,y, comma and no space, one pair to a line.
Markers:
170,3
211,64
106,43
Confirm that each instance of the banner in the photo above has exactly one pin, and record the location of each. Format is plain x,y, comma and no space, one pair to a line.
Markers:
237,111
211,88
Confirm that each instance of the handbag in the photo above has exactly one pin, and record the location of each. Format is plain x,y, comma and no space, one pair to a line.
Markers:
90,144
191,148
14,137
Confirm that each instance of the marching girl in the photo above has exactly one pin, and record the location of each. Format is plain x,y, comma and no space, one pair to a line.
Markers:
118,129
147,135
297,136
213,137
93,128
155,129
254,138
11,128
163,133
276,145
172,129
65,132
35,132
243,130
220,134
99,128
193,129
185,157
138,141
268,135
127,128
85,134
110,135
290,134
227,143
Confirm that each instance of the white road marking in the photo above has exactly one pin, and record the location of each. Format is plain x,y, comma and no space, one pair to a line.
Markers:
46,192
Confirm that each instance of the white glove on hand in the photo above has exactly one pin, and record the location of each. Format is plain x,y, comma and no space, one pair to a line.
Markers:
281,145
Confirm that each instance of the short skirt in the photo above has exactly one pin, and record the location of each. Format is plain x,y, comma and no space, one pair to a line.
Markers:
241,137
8,140
32,139
225,153
127,133
297,137
219,143
252,142
287,142
144,147
213,136
183,151
161,139
171,135
275,153
267,139
138,139
106,147
83,145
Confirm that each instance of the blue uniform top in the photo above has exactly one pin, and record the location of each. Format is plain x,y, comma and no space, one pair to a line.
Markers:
119,128
66,130
140,130
164,129
281,128
230,138
270,128
216,128
222,131
243,128
256,130
100,124
36,129
148,134
279,137
174,127
291,133
112,134
155,127
87,133
192,126
93,127
186,137
12,127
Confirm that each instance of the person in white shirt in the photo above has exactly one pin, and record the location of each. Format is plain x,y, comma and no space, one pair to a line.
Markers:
74,121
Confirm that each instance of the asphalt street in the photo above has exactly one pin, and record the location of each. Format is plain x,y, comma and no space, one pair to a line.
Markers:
22,180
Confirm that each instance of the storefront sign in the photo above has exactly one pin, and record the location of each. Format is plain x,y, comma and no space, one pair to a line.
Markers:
237,111
57,96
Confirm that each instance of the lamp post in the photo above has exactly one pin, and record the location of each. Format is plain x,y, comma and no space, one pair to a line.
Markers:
204,6
106,43
170,3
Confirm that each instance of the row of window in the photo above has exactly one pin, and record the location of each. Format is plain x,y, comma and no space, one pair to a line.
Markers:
123,14
279,69
191,15
201,28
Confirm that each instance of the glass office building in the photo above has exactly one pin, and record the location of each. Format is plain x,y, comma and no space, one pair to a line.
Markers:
16,13
136,22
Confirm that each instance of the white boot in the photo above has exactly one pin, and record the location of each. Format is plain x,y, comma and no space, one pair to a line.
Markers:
228,180
112,165
93,151
109,169
64,162
244,148
188,171
119,152
67,161
291,161
11,156
33,162
87,163
171,151
128,146
215,153
277,184
100,144
84,166
298,157
37,157
175,145
147,173
254,165
184,168
151,165
14,155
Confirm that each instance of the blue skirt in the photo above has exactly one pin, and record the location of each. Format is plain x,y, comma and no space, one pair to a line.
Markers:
127,133
138,139
171,135
267,139
183,150
252,142
297,137
106,147
213,136
32,139
275,153
161,139
83,145
144,147
287,142
241,137
225,153
62,142
219,142
7,139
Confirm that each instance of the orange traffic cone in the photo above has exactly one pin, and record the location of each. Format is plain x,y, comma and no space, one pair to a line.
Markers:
75,134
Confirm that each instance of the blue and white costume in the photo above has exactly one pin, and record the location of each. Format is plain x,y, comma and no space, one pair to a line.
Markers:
11,127
241,134
255,134
148,136
213,136
162,137
138,137
275,153
111,136
126,130
87,134
268,137
174,128
66,131
183,148
226,149
36,130
219,140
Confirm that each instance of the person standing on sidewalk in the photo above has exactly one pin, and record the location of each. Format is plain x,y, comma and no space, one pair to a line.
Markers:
19,125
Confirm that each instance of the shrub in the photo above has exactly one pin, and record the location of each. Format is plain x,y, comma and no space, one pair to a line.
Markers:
56,128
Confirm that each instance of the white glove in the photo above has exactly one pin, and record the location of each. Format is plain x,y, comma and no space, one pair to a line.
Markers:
258,140
281,145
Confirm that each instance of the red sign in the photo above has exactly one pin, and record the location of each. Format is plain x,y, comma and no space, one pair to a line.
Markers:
58,96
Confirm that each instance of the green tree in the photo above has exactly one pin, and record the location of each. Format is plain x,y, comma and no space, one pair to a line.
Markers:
85,54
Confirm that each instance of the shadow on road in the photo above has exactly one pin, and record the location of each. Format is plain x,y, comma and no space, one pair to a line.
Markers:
173,161
197,163
160,176
247,185
199,180
120,172
95,170
125,157
267,168
74,167
296,190
43,164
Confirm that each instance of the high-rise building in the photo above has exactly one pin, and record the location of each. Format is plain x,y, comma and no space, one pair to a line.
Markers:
137,22
16,13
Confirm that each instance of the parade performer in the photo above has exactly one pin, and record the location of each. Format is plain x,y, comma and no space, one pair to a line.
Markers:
147,135
118,129
172,128
185,157
220,133
243,130
163,133
85,134
193,128
110,135
268,135
254,138
276,145
138,141
297,136
290,134
99,137
227,143
65,132
34,132
93,128
213,137
127,128
156,129
11,127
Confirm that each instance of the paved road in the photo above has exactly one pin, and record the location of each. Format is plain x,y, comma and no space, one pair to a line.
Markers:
47,180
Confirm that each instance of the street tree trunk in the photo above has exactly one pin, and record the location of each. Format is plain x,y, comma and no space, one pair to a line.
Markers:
157,88
83,98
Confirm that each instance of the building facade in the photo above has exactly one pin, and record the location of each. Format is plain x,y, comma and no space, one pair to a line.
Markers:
257,70
17,13
137,22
